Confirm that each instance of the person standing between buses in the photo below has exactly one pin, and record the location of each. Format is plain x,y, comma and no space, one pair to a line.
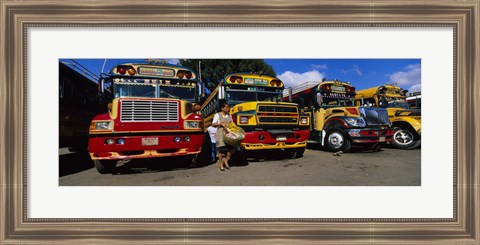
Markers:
212,131
221,120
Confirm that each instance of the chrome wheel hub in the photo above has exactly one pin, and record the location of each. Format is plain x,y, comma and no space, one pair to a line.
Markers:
403,137
335,139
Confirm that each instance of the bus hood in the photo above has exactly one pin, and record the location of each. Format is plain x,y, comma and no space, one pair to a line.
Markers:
375,116
409,113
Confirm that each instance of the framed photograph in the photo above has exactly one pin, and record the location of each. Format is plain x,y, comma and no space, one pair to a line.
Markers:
435,44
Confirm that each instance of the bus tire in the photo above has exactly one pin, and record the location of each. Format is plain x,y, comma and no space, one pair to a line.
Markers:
405,138
335,141
377,146
292,154
295,153
300,152
198,160
105,166
204,158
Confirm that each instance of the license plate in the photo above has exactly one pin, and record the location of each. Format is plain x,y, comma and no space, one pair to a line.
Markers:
381,139
149,141
282,138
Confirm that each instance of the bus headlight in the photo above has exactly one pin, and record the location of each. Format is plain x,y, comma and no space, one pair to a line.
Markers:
303,120
243,120
356,121
101,125
192,124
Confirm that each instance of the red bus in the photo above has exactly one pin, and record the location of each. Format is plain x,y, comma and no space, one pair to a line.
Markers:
152,114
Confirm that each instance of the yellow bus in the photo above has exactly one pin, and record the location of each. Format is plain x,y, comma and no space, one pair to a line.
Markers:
257,107
414,100
407,122
337,124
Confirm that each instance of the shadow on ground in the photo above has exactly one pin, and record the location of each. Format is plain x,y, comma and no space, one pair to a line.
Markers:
74,162
353,149
168,164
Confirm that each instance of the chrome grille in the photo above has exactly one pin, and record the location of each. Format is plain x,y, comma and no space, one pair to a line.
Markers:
266,108
149,111
375,116
277,120
272,114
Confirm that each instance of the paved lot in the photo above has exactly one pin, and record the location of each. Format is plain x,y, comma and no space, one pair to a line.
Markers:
388,167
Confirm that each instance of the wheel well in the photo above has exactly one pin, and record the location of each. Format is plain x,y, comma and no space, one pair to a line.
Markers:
337,123
406,125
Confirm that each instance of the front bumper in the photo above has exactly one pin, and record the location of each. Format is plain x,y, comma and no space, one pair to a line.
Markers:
135,146
369,135
275,139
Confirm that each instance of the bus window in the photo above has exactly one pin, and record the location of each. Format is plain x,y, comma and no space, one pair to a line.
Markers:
129,90
395,103
382,101
370,102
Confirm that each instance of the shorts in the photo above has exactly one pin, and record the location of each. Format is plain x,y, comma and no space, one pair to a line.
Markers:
224,149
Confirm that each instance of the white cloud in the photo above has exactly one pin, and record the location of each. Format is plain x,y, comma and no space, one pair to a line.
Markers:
415,88
292,79
408,77
355,69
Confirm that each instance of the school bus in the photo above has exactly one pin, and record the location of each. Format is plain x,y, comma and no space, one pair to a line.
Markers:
414,100
337,124
257,107
407,122
152,114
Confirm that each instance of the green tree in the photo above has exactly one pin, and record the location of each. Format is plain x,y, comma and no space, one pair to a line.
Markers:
214,70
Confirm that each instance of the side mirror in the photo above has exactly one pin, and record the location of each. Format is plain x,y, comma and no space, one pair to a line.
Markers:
200,95
101,85
382,102
318,101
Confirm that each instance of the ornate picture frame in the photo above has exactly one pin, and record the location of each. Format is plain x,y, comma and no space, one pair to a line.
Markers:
18,16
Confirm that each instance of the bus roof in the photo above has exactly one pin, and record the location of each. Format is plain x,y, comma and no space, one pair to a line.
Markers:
371,92
249,74
317,84
149,69
252,79
335,82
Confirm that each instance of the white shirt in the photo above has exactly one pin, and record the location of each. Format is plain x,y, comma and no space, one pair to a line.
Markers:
212,131
216,118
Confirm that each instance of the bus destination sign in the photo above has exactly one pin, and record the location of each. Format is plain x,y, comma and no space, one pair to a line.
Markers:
156,71
256,81
338,89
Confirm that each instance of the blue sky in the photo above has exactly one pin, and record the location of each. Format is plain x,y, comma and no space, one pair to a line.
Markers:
361,73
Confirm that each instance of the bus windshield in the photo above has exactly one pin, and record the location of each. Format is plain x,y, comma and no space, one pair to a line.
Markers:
328,101
134,90
397,103
154,91
236,95
178,92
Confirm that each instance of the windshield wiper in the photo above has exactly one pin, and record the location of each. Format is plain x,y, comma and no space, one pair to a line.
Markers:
169,95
